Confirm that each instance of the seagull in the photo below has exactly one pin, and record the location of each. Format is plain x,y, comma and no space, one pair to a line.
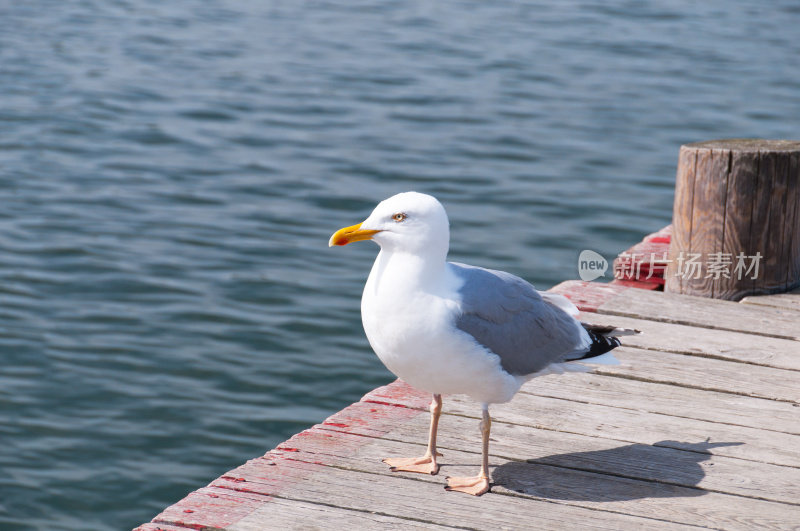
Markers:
451,328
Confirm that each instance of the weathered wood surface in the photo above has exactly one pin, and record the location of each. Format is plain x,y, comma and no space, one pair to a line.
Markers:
347,484
659,463
683,212
731,197
573,486
641,427
706,342
733,409
787,301
682,309
705,373
292,514
699,427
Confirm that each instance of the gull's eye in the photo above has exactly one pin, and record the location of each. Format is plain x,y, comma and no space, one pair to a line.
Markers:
400,216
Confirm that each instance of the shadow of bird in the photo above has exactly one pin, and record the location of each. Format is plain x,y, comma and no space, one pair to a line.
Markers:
630,472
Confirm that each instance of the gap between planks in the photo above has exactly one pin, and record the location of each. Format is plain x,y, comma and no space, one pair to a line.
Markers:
738,347
369,419
633,496
684,387
786,301
719,407
704,373
284,512
496,489
353,487
681,309
562,415
489,511
641,427
637,461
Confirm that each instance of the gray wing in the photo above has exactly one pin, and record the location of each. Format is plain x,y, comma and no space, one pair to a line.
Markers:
509,317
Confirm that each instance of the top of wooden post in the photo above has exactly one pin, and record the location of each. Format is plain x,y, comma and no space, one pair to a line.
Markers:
736,199
749,145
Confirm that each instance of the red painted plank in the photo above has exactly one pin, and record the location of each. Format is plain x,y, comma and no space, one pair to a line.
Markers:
233,496
323,445
653,286
374,416
208,508
244,489
399,392
662,236
159,527
644,265
588,296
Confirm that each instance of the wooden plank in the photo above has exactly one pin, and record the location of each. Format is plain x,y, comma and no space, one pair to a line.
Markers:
415,498
644,262
287,474
638,284
589,296
644,265
206,508
203,508
673,400
234,510
631,424
704,373
632,461
294,514
681,216
663,235
605,492
699,311
597,454
159,527
682,309
717,511
787,301
705,342
639,427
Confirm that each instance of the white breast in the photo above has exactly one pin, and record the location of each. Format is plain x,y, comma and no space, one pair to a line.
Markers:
411,327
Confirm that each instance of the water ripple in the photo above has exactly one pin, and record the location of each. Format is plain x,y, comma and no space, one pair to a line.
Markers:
171,173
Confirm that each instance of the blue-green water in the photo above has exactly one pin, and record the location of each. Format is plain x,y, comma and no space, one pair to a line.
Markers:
170,173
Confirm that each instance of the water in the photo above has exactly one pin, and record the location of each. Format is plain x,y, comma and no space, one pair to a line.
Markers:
170,173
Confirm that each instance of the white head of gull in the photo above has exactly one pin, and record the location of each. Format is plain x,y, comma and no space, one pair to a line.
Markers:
450,328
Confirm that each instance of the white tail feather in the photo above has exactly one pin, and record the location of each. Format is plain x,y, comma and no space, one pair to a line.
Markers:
575,366
560,301
619,332
610,330
603,359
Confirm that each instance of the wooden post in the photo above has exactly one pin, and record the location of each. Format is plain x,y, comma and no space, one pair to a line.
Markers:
737,208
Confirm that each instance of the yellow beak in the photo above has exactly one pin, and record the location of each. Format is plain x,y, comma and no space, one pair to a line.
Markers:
350,234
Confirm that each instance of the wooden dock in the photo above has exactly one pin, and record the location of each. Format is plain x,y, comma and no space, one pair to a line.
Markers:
698,427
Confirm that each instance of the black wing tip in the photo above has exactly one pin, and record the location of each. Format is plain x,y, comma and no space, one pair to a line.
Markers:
609,330
600,345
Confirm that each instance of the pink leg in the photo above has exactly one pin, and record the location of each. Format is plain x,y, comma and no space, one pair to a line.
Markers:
479,484
427,463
